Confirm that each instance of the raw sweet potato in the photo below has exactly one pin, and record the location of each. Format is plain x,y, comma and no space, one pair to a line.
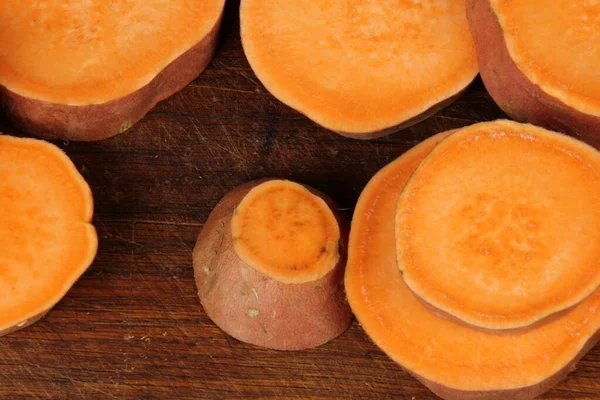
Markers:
499,225
46,239
90,70
539,62
269,266
361,68
455,360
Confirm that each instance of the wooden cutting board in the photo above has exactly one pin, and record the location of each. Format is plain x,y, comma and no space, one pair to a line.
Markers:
133,327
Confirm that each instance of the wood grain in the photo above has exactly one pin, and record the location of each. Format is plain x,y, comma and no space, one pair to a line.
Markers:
133,327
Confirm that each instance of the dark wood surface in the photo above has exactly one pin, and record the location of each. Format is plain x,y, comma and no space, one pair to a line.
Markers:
133,327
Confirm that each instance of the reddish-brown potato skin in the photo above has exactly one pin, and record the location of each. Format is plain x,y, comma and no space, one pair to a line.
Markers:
514,93
407,124
23,324
100,121
256,309
524,393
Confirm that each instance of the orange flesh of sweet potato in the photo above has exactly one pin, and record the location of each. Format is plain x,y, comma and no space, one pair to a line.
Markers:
254,301
499,225
46,239
539,60
360,68
287,233
556,50
457,361
110,62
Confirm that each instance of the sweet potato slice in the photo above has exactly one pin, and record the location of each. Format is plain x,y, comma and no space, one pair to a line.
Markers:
457,361
269,266
499,225
90,70
361,68
46,239
539,61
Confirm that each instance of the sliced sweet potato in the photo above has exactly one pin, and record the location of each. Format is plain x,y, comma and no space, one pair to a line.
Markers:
539,62
455,360
269,266
90,70
46,239
361,68
499,225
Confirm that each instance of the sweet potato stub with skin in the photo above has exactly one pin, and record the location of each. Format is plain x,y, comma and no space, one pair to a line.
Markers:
499,225
554,44
46,239
286,232
256,307
359,67
454,359
92,52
